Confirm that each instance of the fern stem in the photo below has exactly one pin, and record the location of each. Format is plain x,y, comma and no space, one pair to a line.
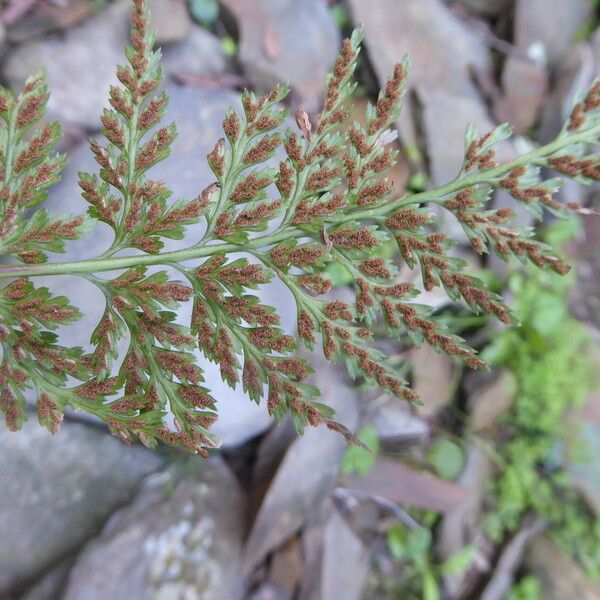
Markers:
98,265
489,176
132,147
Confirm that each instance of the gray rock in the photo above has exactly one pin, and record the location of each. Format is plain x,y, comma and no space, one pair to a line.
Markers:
525,86
433,378
595,43
394,422
551,23
584,300
270,453
270,591
484,7
575,72
462,525
84,59
23,24
312,550
584,467
80,66
445,120
345,561
170,20
199,53
51,584
408,486
560,577
287,41
57,491
286,567
546,32
440,59
307,473
180,538
488,404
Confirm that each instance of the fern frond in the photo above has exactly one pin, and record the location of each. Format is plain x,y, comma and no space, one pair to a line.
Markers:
333,204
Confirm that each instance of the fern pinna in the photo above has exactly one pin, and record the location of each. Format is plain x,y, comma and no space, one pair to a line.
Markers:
334,204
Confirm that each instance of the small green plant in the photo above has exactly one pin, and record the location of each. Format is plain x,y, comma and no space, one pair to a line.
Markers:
421,572
333,204
339,12
549,356
446,457
205,12
588,27
360,459
527,588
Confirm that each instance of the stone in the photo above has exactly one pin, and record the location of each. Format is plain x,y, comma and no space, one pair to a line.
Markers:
524,86
583,467
462,526
45,18
433,379
584,301
560,577
575,72
198,113
270,591
394,422
50,585
312,549
268,457
492,401
553,24
170,20
180,538
345,565
595,44
590,411
285,570
489,8
406,485
80,65
442,58
287,41
199,54
58,490
307,473
445,120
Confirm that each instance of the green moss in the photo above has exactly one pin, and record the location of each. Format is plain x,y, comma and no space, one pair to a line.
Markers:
528,588
549,357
